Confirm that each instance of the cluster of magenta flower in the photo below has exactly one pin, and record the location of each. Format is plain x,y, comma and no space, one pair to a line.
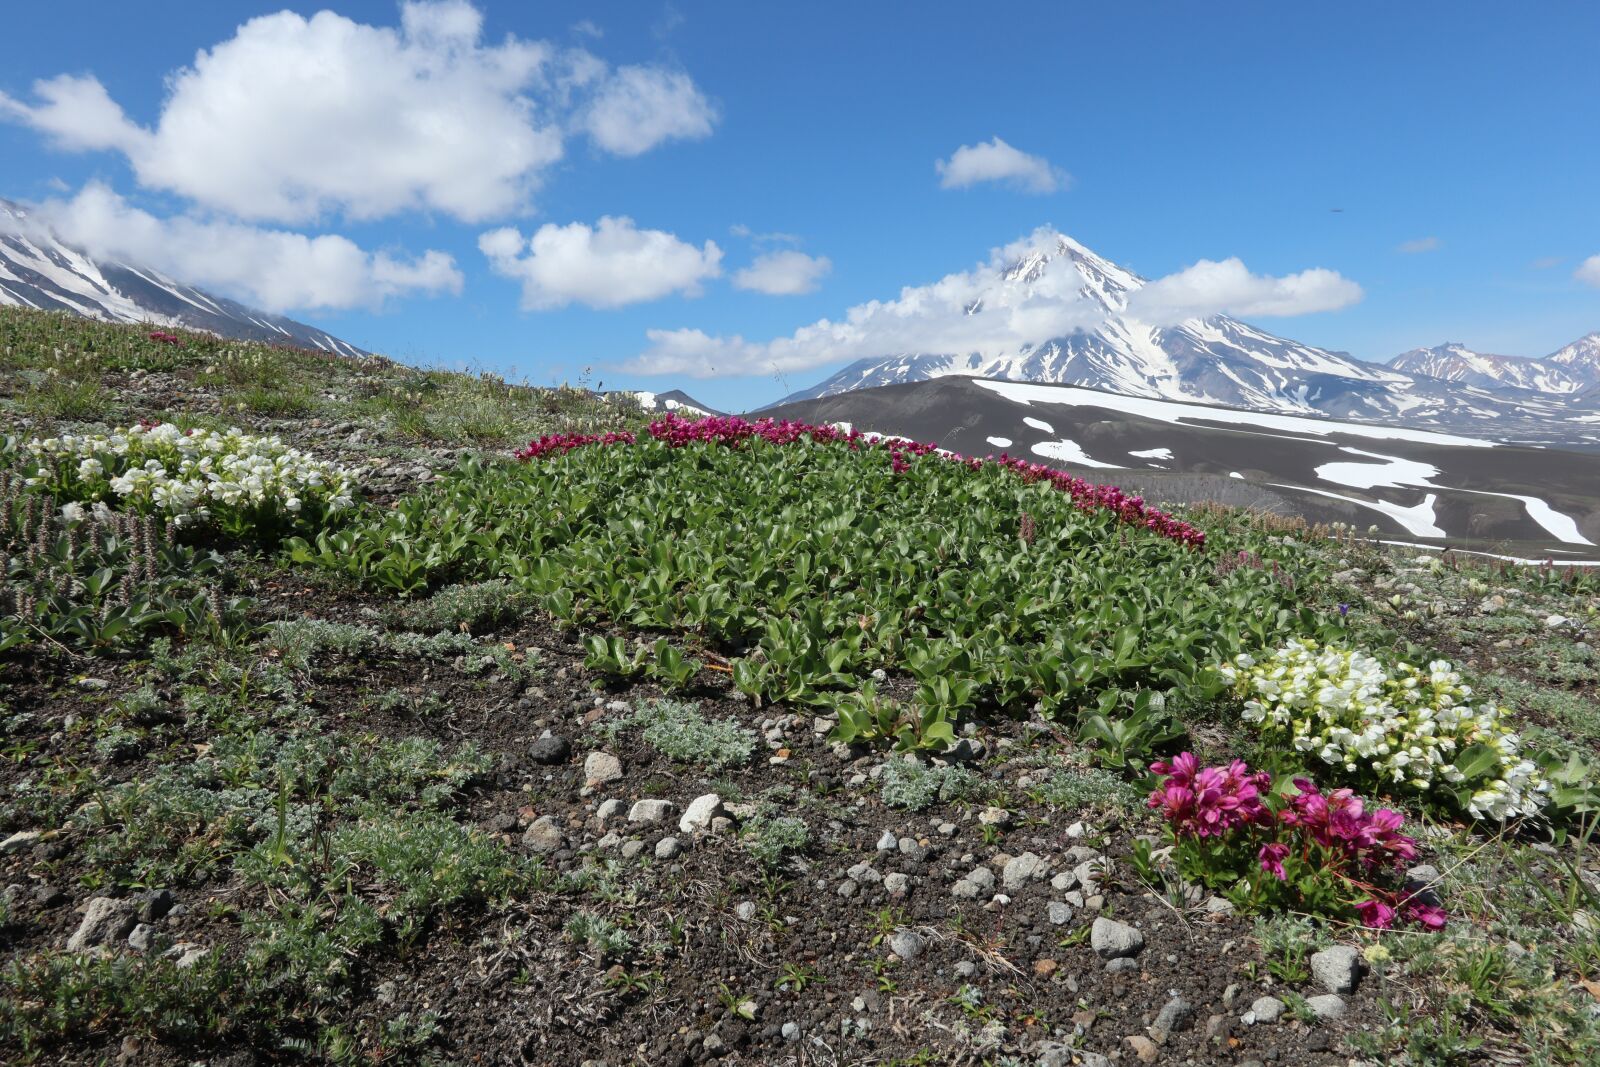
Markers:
565,442
162,337
1310,840
731,430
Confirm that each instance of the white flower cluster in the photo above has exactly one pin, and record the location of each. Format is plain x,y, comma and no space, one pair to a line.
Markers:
1405,725
190,475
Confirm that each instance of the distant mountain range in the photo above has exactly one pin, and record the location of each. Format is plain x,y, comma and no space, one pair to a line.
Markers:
1573,370
1222,361
39,271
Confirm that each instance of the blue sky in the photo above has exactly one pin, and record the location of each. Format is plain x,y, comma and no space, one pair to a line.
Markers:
1172,133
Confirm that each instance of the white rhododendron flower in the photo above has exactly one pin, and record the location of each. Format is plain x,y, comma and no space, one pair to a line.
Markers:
190,475
1405,725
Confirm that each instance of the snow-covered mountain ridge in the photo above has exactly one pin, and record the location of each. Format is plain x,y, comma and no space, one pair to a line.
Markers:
1577,371
39,271
1221,360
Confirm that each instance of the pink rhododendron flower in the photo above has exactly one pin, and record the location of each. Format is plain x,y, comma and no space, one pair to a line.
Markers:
1272,857
1377,915
1209,802
1430,915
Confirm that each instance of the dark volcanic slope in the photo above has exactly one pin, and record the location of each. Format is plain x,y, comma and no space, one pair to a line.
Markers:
1415,485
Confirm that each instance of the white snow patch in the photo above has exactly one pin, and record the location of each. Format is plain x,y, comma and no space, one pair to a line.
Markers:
1040,424
1153,453
1000,442
1392,473
1069,452
1418,519
1176,413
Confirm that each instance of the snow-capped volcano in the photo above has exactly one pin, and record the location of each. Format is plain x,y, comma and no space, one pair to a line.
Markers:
1212,360
1456,362
1216,360
1580,359
39,271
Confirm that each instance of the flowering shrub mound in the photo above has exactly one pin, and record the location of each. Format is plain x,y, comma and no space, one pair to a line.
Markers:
248,486
1400,728
675,432
811,557
1325,854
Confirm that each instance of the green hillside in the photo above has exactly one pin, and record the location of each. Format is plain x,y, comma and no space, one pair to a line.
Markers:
358,713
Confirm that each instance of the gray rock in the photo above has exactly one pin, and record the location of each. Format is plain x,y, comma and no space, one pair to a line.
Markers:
611,840
888,842
651,811
966,889
1114,940
1218,906
631,849
1337,969
746,910
1020,870
966,969
20,840
156,904
848,888
600,768
186,953
790,1032
912,849
1125,965
1058,913
104,920
700,813
907,944
1063,881
143,938
994,817
1264,1010
897,885
610,810
1176,1016
1422,882
1327,1007
668,848
865,873
1053,1054
1089,874
982,877
550,749
543,836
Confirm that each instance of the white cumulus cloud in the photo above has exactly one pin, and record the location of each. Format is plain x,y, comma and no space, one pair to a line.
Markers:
1588,271
987,312
1419,244
997,161
638,108
293,117
1211,287
786,273
608,265
276,270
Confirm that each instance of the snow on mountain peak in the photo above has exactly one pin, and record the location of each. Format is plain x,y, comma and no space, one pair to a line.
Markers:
39,271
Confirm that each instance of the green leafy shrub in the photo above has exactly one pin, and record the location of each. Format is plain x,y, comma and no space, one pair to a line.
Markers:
811,567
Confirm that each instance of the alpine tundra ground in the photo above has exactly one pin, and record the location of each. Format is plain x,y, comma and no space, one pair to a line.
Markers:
720,746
